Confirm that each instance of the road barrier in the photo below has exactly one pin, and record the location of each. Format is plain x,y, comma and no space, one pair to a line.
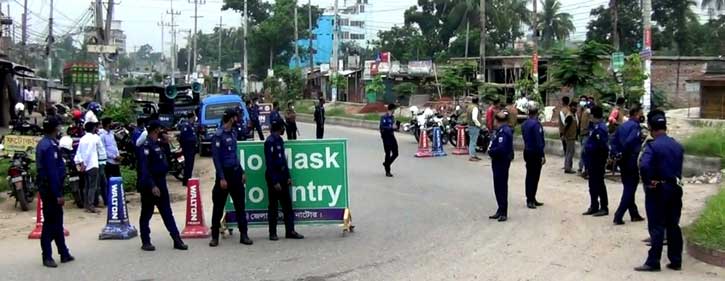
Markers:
423,145
118,226
195,226
38,230
461,148
319,183
437,143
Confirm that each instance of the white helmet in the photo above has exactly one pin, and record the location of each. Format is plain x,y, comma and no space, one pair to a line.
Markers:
532,106
414,110
19,107
66,142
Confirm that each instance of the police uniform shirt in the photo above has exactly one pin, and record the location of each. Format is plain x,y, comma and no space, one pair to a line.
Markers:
533,135
254,113
224,151
502,147
627,139
387,123
597,144
275,117
661,160
186,131
50,166
153,162
277,169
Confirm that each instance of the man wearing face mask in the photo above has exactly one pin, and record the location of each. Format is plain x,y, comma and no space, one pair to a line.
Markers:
584,116
626,144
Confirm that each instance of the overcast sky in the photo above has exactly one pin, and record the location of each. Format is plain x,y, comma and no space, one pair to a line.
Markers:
140,17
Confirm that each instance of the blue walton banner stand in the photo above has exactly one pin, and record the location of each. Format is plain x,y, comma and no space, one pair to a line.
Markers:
118,226
437,142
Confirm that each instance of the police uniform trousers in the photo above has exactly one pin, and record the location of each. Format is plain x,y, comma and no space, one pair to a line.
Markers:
533,174
664,207
189,150
597,188
291,130
284,198
320,130
235,188
501,184
52,227
257,127
163,203
390,145
630,180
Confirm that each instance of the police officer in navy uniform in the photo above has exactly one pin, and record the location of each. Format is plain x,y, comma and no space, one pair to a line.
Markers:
279,183
626,145
51,172
597,152
275,116
230,178
661,170
320,118
253,107
387,133
533,135
502,153
154,192
240,126
187,139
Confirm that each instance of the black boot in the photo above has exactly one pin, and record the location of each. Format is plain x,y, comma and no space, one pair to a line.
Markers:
148,247
245,239
179,245
66,259
214,237
601,213
590,212
50,263
293,235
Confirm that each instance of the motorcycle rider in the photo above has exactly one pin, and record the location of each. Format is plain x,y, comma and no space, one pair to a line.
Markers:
187,140
94,111
474,128
51,171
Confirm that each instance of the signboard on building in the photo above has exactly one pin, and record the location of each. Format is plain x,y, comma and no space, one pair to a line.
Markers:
420,68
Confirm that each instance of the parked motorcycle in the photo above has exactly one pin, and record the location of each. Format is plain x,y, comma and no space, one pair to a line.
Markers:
484,137
176,163
73,179
21,126
20,181
126,148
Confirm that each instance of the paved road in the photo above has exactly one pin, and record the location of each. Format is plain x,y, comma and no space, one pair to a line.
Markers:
428,223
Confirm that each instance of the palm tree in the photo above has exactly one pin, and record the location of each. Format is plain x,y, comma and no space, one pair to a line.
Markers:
555,26
717,4
463,12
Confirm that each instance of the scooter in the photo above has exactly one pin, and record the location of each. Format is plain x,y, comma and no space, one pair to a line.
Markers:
21,183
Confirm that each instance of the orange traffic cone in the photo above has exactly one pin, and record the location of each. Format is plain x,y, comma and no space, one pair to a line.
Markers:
461,148
38,230
195,227
423,146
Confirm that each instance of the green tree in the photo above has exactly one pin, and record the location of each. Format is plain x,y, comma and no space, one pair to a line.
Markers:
717,4
554,24
629,27
405,89
375,86
406,42
581,70
674,16
633,78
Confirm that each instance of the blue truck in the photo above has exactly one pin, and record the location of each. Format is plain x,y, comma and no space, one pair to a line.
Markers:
211,111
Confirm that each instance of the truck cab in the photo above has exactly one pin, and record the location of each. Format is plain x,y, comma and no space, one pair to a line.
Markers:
210,117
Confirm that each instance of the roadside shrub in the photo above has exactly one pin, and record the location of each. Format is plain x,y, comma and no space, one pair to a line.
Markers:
707,142
709,229
129,179
122,112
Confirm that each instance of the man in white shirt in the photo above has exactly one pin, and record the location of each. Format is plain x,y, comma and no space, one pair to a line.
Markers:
474,128
102,158
87,161
29,97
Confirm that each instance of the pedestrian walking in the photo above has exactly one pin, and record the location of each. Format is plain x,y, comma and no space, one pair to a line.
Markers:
534,144
320,118
473,120
291,120
597,154
230,179
51,175
626,145
387,133
30,99
502,153
661,170
584,117
154,168
188,140
87,160
113,157
102,159
253,107
279,183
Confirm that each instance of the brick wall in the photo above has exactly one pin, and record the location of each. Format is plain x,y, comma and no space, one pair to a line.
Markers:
665,78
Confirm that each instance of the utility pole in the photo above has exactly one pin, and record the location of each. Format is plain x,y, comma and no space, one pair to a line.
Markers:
309,46
49,52
614,10
108,66
196,18
647,24
297,38
219,63
162,24
24,36
189,39
335,51
173,41
535,57
245,71
482,44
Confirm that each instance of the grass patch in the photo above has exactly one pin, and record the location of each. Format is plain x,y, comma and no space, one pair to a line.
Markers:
4,164
708,142
709,229
129,179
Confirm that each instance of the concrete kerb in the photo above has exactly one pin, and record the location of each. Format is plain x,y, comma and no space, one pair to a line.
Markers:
693,165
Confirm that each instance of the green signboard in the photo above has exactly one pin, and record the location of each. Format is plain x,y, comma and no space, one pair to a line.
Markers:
617,61
319,182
